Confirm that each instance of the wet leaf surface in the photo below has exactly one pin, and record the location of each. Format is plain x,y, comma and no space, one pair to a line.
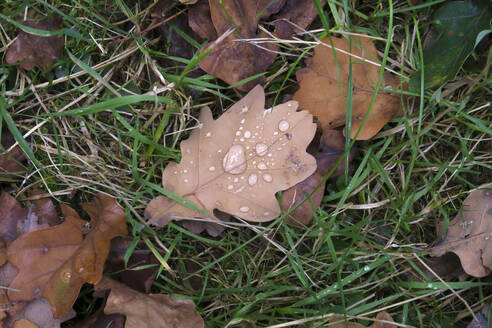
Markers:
37,51
145,310
323,87
54,262
238,162
469,234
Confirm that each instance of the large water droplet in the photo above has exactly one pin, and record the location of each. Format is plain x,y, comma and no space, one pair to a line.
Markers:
235,160
252,179
267,177
262,166
283,126
261,149
244,209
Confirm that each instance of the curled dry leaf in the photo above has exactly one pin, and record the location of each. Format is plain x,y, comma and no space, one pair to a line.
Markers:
325,95
54,262
332,147
469,235
382,320
10,161
238,162
37,51
148,310
232,60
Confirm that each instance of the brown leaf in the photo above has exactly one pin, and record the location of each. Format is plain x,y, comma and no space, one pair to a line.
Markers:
37,51
200,22
140,280
325,96
294,17
469,235
231,60
44,208
54,263
148,310
332,147
11,161
238,162
378,322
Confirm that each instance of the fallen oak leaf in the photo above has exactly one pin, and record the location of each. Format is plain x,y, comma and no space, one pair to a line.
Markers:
148,310
469,235
231,60
54,262
325,96
37,51
238,162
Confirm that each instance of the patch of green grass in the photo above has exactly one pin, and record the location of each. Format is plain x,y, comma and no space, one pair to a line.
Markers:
365,241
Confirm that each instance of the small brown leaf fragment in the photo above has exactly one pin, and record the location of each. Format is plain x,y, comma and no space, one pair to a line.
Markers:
331,148
54,262
232,60
294,17
238,162
325,96
148,310
11,161
469,234
37,51
200,22
382,320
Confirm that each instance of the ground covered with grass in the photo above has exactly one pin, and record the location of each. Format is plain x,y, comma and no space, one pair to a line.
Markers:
366,250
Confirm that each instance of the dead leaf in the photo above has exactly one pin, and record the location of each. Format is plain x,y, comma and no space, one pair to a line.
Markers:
44,209
332,147
11,161
238,162
232,60
141,280
200,22
148,310
54,262
325,95
469,235
382,320
294,17
37,51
